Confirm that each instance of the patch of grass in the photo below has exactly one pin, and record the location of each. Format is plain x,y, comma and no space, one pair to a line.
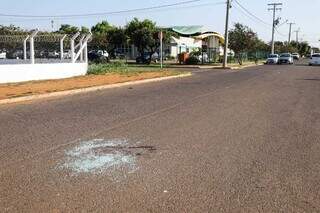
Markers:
114,67
119,67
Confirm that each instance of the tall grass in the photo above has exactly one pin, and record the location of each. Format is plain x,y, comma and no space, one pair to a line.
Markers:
114,67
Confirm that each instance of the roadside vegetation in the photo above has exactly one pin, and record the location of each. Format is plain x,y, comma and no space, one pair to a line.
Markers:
245,44
122,68
114,67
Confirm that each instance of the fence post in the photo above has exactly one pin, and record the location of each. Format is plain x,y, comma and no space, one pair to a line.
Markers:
61,47
25,47
85,51
81,44
72,47
83,47
32,45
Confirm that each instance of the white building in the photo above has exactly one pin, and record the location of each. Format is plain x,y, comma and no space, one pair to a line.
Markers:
194,38
189,39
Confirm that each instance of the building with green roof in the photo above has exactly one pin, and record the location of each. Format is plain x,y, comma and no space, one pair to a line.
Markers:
195,38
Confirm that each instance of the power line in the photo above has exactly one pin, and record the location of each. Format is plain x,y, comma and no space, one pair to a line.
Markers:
251,14
22,20
279,33
247,15
100,14
253,17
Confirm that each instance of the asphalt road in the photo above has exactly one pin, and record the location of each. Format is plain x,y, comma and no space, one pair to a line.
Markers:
218,141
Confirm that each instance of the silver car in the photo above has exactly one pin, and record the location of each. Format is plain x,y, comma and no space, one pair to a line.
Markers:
272,59
285,58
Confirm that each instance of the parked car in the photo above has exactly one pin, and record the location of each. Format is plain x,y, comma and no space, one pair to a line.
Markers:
67,54
272,59
146,59
103,53
285,58
3,55
53,54
296,56
315,59
17,54
119,55
98,55
204,58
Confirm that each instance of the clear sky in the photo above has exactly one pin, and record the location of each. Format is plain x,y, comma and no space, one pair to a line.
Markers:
206,12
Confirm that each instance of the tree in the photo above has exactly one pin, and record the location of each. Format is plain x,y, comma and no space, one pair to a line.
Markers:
99,37
11,46
242,39
68,29
116,37
101,28
302,48
283,47
84,30
145,35
141,34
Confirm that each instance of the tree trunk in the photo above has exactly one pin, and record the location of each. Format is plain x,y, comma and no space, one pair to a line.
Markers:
239,59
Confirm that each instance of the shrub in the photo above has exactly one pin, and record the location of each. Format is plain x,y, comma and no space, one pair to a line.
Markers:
100,69
196,53
192,60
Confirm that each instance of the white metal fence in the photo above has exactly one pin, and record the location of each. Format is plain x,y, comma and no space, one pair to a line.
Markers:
42,56
28,47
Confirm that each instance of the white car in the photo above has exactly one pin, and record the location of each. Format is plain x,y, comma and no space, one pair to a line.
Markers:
204,57
3,55
272,59
285,58
315,59
296,56
103,53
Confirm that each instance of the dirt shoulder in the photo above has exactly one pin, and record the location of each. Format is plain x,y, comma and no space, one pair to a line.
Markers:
8,91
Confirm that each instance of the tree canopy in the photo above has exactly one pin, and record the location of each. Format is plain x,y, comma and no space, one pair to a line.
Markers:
145,35
242,39
101,28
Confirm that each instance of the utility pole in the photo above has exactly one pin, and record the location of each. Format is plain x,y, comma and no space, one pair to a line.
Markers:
274,9
52,25
290,31
297,35
226,38
161,48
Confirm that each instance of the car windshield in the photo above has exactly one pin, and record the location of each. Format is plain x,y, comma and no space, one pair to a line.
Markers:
285,55
273,56
316,56
295,54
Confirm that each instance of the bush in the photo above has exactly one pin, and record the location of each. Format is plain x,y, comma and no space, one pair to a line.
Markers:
102,60
192,60
100,69
170,58
196,53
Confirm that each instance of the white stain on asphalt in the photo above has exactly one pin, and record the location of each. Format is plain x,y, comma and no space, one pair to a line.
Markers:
98,156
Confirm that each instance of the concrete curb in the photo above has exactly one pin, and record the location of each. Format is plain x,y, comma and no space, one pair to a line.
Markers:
213,67
89,89
246,66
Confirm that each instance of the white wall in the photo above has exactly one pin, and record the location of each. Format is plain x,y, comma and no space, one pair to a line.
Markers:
29,72
186,44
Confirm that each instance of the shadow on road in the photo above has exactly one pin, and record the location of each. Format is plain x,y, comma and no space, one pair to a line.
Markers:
309,79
